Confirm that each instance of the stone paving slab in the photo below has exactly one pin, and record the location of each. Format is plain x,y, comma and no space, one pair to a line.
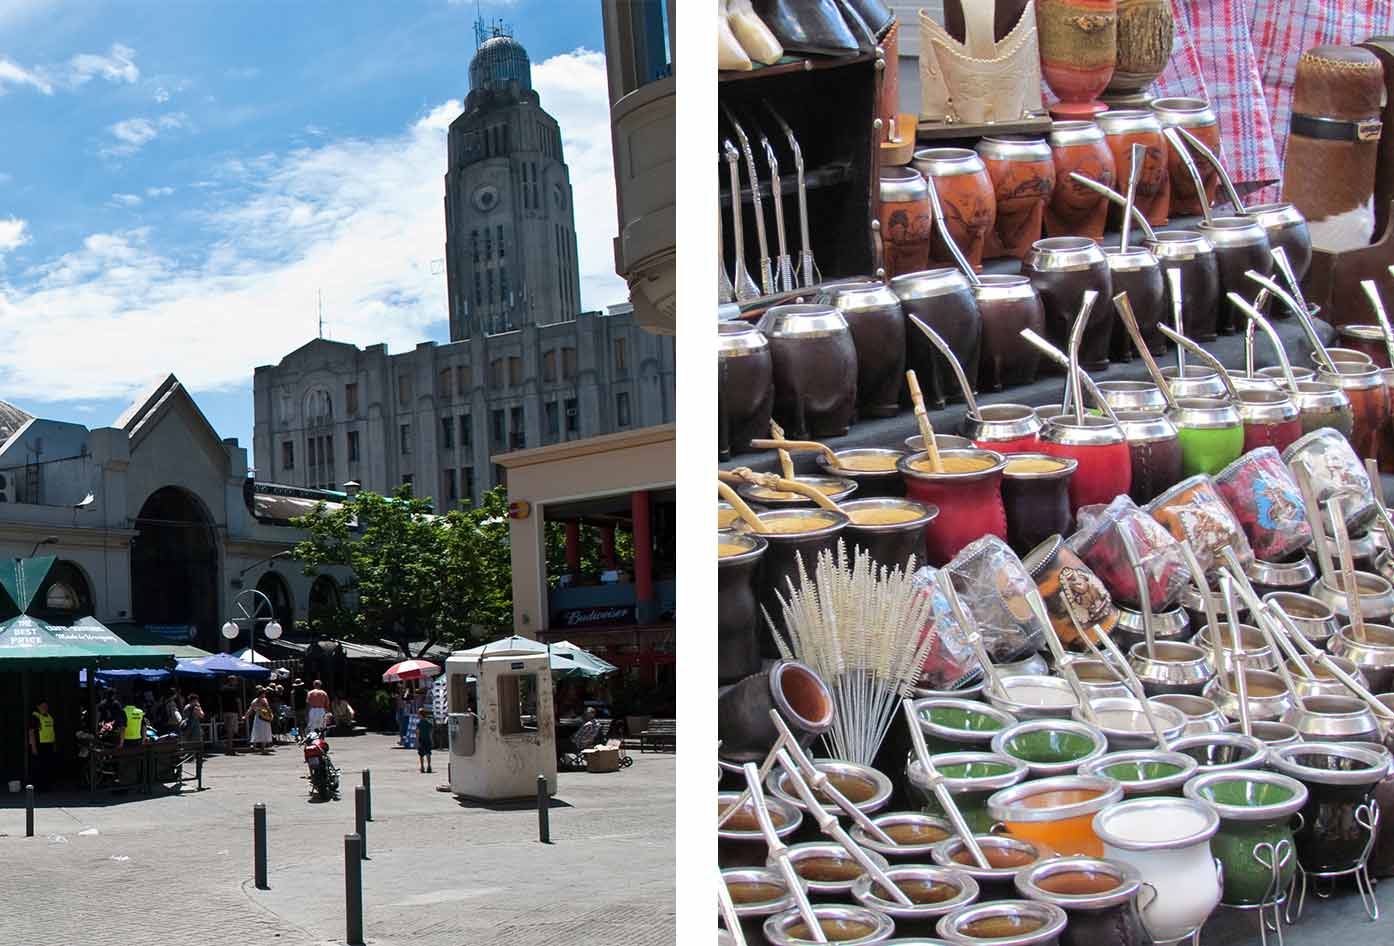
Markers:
176,870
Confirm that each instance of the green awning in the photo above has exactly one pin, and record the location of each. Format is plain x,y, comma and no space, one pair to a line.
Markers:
21,578
95,637
138,636
27,643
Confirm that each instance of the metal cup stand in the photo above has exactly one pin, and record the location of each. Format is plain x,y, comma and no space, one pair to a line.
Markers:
1367,816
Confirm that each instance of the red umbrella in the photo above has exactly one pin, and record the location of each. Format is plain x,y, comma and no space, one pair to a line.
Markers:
410,670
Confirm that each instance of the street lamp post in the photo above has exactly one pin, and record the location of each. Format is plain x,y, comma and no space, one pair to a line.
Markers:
273,627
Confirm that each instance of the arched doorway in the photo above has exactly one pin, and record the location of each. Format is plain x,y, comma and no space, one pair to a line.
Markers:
277,592
174,565
65,595
324,598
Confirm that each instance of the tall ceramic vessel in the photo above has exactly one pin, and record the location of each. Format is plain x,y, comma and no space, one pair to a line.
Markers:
1145,33
960,180
1079,44
905,220
1023,176
1196,116
1124,128
1076,210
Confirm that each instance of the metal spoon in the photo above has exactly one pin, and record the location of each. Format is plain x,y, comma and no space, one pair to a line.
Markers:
1138,217
1299,310
954,251
1209,360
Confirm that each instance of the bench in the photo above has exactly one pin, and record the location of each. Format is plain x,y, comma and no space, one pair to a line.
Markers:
661,736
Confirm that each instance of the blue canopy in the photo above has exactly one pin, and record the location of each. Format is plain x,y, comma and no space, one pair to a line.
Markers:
221,665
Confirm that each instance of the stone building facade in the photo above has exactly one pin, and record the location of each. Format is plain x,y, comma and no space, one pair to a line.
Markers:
330,412
524,368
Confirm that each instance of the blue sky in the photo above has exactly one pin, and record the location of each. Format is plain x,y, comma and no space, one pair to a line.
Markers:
181,179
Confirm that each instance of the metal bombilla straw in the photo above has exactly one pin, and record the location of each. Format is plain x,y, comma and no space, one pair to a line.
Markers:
767,283
807,268
1209,360
1063,360
970,631
936,785
1124,308
1103,189
1280,259
1348,579
1135,156
784,264
1133,683
1257,318
1322,659
1057,650
938,342
1214,161
1273,633
745,287
828,824
1309,499
1372,293
728,911
954,251
1381,510
1185,155
820,781
1207,603
1144,592
725,289
1260,302
1177,320
1076,335
1238,584
1299,310
1241,659
779,853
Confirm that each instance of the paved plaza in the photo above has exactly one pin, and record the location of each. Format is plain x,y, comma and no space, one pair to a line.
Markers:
176,869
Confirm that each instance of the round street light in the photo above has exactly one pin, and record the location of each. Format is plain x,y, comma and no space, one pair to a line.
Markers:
230,630
272,630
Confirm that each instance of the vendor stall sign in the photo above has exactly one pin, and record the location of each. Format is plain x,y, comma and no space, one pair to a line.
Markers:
590,617
172,632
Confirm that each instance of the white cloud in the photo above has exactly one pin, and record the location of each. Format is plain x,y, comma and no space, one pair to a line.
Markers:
126,200
161,95
12,73
574,88
158,191
118,65
360,219
132,134
12,234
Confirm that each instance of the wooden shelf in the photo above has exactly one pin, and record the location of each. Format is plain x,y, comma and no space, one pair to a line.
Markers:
792,64
1039,125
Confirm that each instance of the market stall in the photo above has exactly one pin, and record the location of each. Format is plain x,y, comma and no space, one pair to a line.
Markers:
1056,595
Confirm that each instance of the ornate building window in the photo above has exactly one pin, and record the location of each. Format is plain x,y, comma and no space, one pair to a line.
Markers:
319,408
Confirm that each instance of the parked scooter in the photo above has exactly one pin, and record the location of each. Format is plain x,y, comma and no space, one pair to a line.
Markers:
324,776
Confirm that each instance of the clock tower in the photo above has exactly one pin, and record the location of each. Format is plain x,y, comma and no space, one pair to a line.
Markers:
510,244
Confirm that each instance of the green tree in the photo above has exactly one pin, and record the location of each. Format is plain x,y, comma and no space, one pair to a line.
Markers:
418,577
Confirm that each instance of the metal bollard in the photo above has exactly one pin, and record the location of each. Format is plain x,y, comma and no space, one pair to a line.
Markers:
368,788
353,889
29,811
259,845
544,804
360,812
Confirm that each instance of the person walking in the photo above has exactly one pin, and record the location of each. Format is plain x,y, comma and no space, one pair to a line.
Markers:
230,711
318,702
260,716
192,732
425,732
43,745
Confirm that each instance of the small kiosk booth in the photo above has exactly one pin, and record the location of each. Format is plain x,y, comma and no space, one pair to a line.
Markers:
502,727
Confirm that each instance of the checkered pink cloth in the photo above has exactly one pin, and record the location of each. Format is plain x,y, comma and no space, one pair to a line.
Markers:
1242,56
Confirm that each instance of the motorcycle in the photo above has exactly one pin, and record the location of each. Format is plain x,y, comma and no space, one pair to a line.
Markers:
324,776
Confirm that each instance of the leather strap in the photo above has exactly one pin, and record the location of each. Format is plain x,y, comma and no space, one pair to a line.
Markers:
1334,129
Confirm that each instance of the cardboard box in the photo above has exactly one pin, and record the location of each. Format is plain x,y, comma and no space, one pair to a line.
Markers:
602,759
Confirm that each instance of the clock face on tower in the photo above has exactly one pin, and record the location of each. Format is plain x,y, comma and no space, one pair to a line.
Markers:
485,198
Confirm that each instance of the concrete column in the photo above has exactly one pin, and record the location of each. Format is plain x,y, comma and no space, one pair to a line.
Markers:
643,556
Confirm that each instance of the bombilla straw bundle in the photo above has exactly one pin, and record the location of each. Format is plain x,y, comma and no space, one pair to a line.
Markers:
860,627
729,918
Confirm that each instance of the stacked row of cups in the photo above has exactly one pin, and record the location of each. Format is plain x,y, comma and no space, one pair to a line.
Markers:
1086,840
